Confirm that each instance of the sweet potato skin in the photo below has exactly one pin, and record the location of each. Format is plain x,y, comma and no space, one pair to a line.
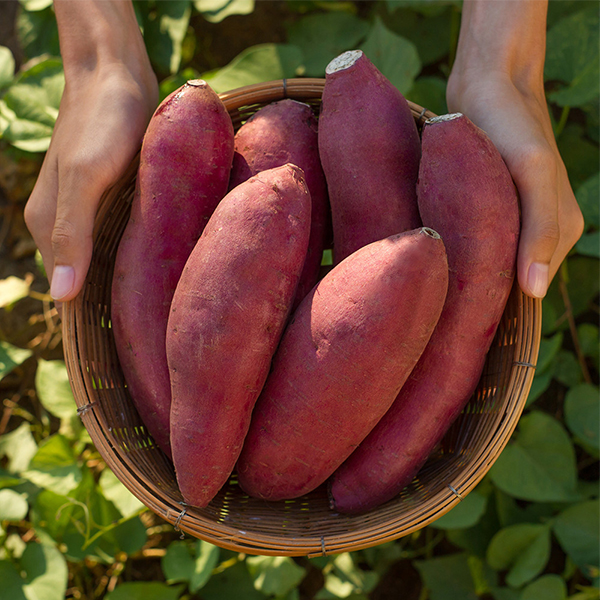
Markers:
345,354
185,161
466,193
370,150
280,133
227,316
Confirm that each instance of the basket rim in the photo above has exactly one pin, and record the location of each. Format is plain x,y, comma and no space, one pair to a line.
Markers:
195,522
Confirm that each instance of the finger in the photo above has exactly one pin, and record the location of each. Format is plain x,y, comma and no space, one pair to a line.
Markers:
40,212
71,240
536,179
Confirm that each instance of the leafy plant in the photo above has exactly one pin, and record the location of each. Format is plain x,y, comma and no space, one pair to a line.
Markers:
529,531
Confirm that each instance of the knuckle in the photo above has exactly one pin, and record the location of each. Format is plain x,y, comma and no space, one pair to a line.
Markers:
538,158
63,237
548,233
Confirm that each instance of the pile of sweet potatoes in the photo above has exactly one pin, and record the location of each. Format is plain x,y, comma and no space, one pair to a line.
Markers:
244,354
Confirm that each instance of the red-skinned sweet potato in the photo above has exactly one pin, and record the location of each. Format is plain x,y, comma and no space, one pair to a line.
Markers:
370,149
466,193
185,161
227,316
280,133
341,362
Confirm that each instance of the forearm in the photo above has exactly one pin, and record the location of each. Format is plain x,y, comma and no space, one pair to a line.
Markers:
95,33
501,38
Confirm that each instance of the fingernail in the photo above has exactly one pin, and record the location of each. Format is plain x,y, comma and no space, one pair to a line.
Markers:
63,279
537,279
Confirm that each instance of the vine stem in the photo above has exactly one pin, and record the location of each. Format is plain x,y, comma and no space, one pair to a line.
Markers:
562,121
564,292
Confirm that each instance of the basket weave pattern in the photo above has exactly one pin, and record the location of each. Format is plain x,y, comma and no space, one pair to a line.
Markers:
305,526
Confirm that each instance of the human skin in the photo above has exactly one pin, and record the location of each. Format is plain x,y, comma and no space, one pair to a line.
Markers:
497,81
109,96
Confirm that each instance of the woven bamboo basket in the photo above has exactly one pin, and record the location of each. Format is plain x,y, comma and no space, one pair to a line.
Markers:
305,526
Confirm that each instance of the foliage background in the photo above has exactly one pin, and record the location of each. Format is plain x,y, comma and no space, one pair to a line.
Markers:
69,529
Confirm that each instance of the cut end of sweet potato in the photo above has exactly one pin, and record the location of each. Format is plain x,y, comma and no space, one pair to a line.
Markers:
197,82
343,61
431,233
444,118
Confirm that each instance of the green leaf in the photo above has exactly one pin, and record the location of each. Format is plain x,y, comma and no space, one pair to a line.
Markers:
177,563
588,341
547,587
215,11
274,575
476,539
539,464
192,565
582,413
54,390
580,155
144,590
10,357
541,382
207,557
12,583
54,466
577,530
465,514
35,5
46,572
38,33
589,244
230,584
19,446
393,55
7,66
13,506
13,289
523,549
572,57
549,348
264,62
430,93
567,369
323,36
587,195
164,33
118,494
430,35
448,577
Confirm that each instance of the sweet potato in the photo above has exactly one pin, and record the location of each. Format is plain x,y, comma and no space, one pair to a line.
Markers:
227,316
341,362
370,149
279,133
466,193
185,161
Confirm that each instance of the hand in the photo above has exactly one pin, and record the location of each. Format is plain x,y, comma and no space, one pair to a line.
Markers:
104,111
499,85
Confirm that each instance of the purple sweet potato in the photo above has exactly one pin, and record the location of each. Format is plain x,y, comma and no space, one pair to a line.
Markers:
185,161
466,193
341,362
370,150
227,316
279,133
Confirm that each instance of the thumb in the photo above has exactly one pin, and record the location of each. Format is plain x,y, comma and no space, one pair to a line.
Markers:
540,231
71,240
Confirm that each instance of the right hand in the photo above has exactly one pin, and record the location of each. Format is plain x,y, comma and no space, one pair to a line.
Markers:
102,119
